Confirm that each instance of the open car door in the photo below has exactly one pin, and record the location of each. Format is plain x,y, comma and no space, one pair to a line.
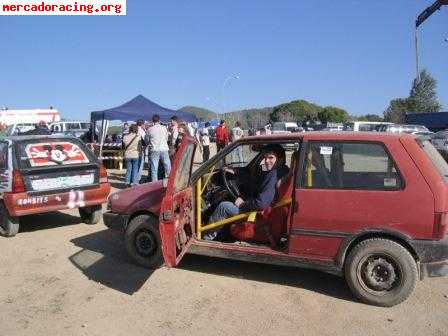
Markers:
176,211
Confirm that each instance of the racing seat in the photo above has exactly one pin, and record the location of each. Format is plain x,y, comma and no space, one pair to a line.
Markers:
269,224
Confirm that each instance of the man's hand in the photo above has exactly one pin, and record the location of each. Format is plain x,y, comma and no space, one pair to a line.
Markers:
239,201
229,170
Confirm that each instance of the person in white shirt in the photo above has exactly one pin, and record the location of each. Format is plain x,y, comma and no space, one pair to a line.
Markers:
158,143
237,133
205,142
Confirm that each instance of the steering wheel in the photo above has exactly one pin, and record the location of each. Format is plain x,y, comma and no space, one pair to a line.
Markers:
230,185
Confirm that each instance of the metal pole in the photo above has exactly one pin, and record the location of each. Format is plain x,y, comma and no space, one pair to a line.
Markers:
417,56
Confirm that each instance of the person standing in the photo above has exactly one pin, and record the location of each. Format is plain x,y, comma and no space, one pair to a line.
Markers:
237,133
132,144
141,156
222,136
205,142
173,134
158,142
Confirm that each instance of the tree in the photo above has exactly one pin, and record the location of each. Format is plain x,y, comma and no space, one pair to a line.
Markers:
332,114
423,96
370,117
297,110
396,110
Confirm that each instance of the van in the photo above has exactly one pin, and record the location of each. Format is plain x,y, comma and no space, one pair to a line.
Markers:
75,128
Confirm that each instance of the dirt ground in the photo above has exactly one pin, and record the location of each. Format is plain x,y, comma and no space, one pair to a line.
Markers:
62,277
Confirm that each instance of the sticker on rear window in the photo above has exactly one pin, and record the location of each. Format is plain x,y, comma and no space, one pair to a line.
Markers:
52,154
325,150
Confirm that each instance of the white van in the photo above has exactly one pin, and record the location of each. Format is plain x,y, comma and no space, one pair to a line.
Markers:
284,127
75,128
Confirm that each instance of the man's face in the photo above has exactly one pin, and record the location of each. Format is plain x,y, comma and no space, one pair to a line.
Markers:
173,122
269,160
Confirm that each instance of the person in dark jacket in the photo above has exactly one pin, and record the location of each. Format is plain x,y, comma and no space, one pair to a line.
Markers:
40,129
261,196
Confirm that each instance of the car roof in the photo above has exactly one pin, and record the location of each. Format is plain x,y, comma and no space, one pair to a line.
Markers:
349,136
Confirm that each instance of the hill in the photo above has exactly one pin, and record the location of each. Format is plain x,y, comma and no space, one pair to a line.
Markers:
201,113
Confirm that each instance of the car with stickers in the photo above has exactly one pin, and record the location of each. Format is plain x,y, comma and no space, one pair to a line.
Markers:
41,174
370,207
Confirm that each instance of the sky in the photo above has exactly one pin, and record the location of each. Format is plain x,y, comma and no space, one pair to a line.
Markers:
357,55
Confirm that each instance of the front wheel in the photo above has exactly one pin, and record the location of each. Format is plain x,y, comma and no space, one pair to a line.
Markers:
142,240
381,272
91,215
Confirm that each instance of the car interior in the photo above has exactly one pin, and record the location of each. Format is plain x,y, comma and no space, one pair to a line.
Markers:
266,227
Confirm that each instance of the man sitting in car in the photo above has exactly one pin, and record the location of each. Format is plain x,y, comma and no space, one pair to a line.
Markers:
262,189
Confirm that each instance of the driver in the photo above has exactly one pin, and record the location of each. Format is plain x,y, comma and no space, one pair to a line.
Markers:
263,189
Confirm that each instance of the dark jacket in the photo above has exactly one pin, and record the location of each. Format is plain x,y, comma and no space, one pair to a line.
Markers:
265,190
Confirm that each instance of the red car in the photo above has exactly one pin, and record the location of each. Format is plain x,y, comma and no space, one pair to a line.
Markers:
41,174
371,207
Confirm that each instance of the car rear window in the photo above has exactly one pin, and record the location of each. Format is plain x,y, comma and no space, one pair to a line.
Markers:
38,153
437,160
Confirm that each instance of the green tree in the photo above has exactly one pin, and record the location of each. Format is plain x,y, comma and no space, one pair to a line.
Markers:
297,110
370,117
396,110
332,114
423,96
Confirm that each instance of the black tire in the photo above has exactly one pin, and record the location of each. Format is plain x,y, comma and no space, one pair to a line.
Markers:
91,215
143,243
9,226
381,272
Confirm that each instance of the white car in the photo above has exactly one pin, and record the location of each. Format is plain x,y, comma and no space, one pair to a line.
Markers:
284,127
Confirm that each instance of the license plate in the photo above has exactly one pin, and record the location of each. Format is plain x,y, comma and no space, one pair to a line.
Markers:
62,182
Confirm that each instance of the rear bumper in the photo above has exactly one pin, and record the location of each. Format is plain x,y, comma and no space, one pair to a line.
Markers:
433,256
21,204
115,221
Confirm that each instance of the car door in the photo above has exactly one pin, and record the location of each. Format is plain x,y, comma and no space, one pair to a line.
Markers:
346,188
176,211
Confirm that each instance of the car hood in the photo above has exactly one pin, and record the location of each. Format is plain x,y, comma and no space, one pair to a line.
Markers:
147,196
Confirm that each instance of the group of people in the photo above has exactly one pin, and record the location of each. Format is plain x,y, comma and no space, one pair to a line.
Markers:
154,141
158,143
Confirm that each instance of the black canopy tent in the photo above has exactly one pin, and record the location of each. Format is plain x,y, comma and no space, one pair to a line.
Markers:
137,108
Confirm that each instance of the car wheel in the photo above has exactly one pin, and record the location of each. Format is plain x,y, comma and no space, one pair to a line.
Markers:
142,240
91,215
381,272
9,226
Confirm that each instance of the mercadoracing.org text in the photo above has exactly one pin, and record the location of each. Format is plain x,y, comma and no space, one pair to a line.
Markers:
62,7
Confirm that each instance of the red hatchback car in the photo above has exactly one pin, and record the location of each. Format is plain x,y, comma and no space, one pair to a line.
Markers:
41,174
371,207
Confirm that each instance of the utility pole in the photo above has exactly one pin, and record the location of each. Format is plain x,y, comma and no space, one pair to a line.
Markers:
422,17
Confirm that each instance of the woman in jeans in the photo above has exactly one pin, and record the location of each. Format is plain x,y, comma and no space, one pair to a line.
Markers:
132,144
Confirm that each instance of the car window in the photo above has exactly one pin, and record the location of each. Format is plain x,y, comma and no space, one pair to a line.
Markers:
36,153
437,160
182,177
349,165
72,126
240,156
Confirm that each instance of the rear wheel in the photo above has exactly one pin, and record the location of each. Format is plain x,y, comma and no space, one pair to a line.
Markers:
142,240
91,215
381,272
9,226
